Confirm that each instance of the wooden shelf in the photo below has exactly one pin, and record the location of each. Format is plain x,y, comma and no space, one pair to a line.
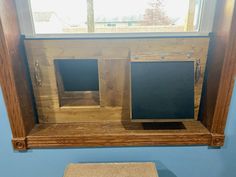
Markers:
117,134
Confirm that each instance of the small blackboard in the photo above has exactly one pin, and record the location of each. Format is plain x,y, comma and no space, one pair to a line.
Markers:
162,90
78,75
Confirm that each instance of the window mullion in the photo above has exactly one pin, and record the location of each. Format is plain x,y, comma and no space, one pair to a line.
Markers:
90,16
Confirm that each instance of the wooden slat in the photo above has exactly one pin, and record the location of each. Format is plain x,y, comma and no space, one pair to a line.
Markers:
116,134
87,98
114,82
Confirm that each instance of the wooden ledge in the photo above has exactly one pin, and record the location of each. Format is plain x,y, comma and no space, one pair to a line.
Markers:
117,134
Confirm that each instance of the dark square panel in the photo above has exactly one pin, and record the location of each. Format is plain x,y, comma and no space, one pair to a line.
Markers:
162,90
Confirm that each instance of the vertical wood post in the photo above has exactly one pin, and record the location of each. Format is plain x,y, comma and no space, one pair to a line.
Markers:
220,70
13,76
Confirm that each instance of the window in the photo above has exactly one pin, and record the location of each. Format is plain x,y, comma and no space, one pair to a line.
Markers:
117,16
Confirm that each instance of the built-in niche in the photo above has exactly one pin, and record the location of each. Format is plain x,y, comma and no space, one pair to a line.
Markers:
77,82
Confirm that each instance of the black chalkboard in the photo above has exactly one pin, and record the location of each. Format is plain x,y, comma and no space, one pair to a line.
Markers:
78,75
162,90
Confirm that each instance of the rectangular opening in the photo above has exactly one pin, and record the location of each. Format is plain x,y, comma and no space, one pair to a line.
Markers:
77,81
162,90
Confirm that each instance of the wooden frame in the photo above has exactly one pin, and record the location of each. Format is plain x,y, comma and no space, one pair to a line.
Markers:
28,134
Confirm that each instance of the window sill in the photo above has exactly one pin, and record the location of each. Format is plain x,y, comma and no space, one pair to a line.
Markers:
117,35
100,134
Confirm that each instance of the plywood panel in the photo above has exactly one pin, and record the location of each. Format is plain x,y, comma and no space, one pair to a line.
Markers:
113,57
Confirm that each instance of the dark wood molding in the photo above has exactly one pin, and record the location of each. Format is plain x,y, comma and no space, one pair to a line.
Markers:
217,140
19,144
220,68
116,134
13,72
226,82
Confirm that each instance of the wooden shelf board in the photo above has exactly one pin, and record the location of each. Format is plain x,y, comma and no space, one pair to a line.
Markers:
116,134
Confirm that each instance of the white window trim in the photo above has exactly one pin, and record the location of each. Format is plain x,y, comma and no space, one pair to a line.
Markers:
27,25
207,16
25,17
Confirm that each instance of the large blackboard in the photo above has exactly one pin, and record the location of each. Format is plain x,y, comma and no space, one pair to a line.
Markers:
78,75
162,90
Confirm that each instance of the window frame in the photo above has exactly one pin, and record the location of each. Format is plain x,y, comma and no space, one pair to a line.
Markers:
28,134
27,25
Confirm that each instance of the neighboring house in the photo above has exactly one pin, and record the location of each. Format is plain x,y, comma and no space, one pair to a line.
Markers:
48,22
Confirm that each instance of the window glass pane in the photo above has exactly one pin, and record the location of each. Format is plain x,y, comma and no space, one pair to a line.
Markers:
116,16
60,16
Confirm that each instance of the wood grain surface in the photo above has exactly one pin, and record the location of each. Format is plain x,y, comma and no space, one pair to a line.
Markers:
118,134
113,58
13,73
220,71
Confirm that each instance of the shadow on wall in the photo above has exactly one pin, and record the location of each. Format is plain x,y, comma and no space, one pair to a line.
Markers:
163,171
166,173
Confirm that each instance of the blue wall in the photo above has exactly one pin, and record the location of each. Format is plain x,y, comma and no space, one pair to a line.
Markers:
172,161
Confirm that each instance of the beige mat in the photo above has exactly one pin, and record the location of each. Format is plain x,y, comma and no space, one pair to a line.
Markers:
147,169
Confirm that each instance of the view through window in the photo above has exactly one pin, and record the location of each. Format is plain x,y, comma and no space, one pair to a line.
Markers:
115,16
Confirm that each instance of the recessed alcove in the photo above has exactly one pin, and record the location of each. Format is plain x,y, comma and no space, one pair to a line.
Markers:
77,82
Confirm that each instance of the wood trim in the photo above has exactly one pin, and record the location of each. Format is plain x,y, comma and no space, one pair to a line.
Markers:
226,82
221,64
13,73
217,140
116,134
19,144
